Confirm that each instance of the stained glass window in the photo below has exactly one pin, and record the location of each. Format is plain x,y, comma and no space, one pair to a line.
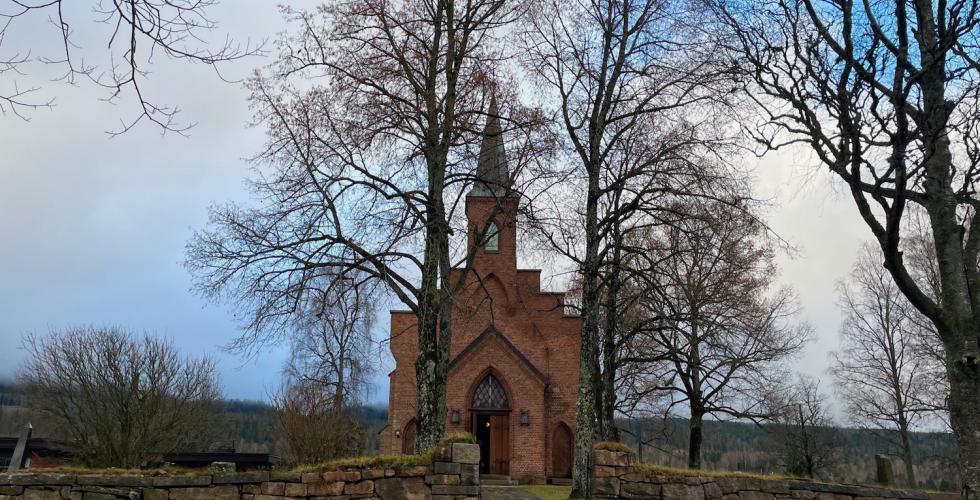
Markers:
490,394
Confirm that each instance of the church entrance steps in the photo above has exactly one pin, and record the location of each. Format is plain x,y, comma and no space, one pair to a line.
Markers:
561,481
496,480
538,492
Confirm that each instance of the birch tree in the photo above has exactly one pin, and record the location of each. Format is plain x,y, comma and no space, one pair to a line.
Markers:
885,366
623,78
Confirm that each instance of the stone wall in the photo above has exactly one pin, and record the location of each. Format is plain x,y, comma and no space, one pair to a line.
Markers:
452,475
617,475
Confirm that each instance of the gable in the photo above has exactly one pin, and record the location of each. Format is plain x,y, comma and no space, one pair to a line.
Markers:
493,336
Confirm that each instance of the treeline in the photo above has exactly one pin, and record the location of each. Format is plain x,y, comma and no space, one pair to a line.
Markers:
244,425
749,447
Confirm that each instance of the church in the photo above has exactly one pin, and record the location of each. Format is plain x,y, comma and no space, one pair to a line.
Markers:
513,369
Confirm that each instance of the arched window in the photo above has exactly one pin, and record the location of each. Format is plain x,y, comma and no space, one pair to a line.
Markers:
490,395
492,238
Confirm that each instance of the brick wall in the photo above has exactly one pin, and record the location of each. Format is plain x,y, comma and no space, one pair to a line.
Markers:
616,475
452,475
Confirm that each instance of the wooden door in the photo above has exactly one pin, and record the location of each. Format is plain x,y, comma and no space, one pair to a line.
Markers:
499,444
561,452
408,439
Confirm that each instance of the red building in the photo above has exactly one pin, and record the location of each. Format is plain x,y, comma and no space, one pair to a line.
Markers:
513,369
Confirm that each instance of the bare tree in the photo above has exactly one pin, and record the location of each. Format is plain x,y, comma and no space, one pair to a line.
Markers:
136,31
624,78
118,398
313,429
886,95
373,111
326,376
803,430
725,331
886,364
331,342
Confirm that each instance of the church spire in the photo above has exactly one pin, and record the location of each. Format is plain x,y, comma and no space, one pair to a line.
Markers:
492,176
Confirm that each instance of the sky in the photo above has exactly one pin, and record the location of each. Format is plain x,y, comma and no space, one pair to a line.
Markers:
93,228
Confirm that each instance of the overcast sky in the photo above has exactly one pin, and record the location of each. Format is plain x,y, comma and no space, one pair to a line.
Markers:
92,228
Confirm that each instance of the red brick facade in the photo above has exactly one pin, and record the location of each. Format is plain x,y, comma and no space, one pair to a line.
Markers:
504,325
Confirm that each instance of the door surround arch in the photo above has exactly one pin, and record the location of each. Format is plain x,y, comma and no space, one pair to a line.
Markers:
491,423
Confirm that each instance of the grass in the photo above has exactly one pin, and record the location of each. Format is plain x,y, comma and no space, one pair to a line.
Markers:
114,471
678,471
396,462
612,446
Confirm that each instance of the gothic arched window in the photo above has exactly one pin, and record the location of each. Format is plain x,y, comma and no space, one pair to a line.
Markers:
492,238
490,394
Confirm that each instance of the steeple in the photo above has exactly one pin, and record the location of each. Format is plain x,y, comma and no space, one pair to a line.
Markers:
492,177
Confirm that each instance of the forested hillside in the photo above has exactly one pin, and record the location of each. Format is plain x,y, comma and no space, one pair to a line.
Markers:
251,427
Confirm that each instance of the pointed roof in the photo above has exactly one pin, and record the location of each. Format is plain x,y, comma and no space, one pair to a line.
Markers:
492,175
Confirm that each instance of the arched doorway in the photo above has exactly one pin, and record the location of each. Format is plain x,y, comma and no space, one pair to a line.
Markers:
408,438
491,425
561,451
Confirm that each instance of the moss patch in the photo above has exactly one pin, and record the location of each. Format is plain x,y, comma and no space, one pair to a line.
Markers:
458,437
612,446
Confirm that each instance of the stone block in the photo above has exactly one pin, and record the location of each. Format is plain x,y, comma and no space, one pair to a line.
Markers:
469,474
155,494
342,475
11,490
397,489
251,489
39,493
712,491
443,452
90,495
332,488
295,490
639,490
311,477
415,471
113,492
612,458
676,491
223,492
372,473
446,467
606,486
755,495
466,453
606,471
455,489
442,479
273,488
241,477
130,480
29,479
177,481
286,477
359,489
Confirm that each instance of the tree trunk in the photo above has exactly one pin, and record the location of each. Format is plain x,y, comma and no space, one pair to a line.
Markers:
585,406
694,443
607,416
907,455
964,402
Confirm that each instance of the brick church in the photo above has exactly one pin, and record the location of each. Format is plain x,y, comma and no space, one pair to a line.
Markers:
513,368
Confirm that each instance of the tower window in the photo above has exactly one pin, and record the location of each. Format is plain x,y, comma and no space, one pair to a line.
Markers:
491,238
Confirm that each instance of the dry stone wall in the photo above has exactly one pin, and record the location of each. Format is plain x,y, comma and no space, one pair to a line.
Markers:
452,475
617,475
